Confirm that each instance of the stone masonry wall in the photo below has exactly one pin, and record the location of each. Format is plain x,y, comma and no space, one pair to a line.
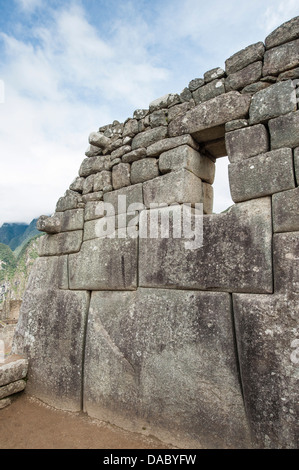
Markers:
196,346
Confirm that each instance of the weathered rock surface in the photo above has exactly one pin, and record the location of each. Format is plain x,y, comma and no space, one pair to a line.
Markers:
284,131
249,178
244,77
149,137
144,170
49,272
121,175
246,142
284,33
246,56
281,58
153,359
240,241
11,388
286,211
209,91
286,263
60,243
14,368
156,149
125,197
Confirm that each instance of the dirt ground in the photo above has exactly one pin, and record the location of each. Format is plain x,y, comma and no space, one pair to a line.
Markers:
30,424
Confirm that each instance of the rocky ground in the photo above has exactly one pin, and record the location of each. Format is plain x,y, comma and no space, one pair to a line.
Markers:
29,424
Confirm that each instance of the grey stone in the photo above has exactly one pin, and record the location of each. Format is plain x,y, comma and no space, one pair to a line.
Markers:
10,389
286,263
110,226
127,140
244,77
134,155
209,91
149,137
131,194
14,368
88,184
77,184
196,83
185,95
60,243
141,369
94,165
175,187
281,58
296,164
214,74
72,220
105,264
188,158
208,198
97,139
246,142
236,124
93,151
255,87
164,102
285,207
114,162
103,181
49,224
121,175
284,33
4,403
236,255
143,124
156,149
131,127
289,74
275,100
69,201
158,118
115,145
284,131
140,113
120,151
50,332
180,109
262,175
96,196
93,210
246,56
212,113
49,272
144,170
265,331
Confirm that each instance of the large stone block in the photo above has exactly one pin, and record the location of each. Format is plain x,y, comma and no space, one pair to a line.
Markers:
14,368
102,263
281,58
175,187
246,142
209,91
267,337
275,100
149,137
209,114
10,389
250,74
240,60
188,158
285,207
93,165
60,243
70,200
144,170
49,272
284,33
121,175
286,263
123,198
262,175
50,333
164,145
165,360
284,131
235,255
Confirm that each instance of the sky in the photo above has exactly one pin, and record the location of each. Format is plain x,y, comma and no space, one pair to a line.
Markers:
70,66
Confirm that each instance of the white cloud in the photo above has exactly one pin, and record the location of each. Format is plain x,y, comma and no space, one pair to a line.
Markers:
29,5
278,13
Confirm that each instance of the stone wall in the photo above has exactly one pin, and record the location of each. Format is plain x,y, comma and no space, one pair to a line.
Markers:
196,345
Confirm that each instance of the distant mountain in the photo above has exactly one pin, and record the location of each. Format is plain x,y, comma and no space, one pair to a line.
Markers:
15,235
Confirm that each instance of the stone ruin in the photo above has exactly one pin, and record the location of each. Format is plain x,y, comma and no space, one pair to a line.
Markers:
199,346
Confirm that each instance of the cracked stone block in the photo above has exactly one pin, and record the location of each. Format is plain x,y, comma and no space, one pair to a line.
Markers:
60,243
240,60
142,370
284,131
275,100
286,262
188,158
105,264
262,175
285,207
212,113
267,337
50,333
231,252
246,142
281,58
175,187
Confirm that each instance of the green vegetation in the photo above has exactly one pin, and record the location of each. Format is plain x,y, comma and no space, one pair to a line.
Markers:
8,262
